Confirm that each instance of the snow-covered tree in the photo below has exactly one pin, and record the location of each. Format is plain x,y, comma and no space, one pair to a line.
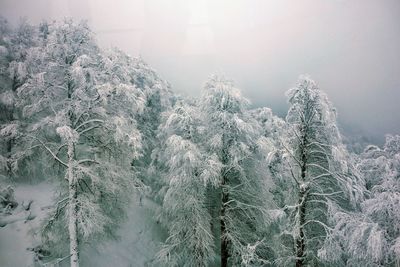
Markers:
5,59
238,200
190,241
70,111
371,236
6,97
311,170
271,126
24,37
271,129
16,66
158,99
234,187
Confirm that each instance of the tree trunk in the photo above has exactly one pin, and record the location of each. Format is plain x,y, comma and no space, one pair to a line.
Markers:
224,240
73,208
300,242
224,200
10,143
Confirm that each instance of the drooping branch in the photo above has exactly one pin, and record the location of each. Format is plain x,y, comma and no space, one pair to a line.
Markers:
87,122
49,150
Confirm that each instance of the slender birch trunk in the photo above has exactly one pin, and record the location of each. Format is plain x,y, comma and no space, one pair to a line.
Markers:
73,207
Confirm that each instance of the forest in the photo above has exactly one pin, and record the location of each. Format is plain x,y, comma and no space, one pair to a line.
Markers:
212,181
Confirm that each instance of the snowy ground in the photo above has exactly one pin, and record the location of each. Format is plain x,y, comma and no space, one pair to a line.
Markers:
15,238
139,235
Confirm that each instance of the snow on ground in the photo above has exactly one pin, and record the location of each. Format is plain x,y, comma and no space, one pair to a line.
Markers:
15,238
139,238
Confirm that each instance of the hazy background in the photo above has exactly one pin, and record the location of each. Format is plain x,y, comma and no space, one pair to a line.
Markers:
350,47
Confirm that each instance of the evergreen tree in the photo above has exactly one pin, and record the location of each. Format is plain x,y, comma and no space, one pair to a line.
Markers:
315,172
239,198
370,236
16,66
190,241
157,99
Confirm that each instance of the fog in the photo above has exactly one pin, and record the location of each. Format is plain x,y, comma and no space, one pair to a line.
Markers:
351,48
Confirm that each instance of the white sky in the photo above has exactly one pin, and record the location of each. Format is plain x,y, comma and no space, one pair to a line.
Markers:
350,47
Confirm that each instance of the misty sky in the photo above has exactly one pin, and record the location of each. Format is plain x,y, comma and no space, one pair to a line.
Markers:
350,47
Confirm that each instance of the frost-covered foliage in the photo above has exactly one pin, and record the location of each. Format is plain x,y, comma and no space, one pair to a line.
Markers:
371,236
62,120
69,105
310,169
238,201
270,130
213,192
190,241
271,126
154,96
15,67
234,187
158,99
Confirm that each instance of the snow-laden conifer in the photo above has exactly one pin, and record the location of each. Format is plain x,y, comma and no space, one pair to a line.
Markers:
312,170
370,236
238,202
190,241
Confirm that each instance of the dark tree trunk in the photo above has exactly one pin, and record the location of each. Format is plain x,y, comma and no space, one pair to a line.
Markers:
224,202
300,242
224,241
